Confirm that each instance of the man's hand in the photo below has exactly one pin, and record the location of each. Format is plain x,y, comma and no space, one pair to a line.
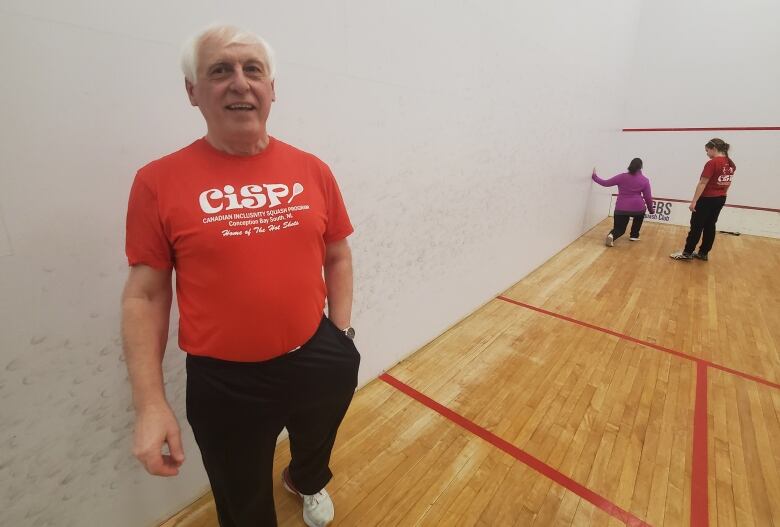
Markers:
154,427
692,206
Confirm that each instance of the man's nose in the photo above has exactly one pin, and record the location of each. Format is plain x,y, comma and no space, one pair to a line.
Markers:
239,81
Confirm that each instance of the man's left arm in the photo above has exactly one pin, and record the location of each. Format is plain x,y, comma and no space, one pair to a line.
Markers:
338,280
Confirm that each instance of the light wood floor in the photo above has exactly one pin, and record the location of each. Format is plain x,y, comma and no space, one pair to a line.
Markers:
610,414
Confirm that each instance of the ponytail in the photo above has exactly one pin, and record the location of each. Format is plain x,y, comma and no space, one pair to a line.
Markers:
720,145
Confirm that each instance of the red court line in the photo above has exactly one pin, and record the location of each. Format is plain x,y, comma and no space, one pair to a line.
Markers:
713,129
644,343
749,207
699,505
522,456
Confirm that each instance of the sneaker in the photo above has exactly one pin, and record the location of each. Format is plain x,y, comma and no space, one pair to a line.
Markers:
610,242
634,238
318,508
701,256
681,256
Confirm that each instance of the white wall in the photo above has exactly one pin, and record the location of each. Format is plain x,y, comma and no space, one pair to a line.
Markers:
710,63
462,134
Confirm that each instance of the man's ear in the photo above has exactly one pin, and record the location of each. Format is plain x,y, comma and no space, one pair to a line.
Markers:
273,91
190,92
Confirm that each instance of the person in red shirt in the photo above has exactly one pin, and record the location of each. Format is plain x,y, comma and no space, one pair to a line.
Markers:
256,231
708,200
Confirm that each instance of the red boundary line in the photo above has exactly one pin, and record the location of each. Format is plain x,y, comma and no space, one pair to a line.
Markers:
519,454
749,207
644,343
714,129
699,479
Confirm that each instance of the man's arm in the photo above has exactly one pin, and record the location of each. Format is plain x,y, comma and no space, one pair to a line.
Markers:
146,308
338,280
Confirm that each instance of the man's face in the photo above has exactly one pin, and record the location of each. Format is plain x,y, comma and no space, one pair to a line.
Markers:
233,90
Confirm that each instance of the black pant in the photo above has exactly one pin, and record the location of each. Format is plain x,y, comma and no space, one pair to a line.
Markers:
237,411
703,224
621,222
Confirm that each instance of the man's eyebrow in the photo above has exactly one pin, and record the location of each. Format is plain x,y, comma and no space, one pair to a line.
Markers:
258,62
217,63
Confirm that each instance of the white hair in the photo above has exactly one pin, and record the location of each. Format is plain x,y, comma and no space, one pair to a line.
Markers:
228,34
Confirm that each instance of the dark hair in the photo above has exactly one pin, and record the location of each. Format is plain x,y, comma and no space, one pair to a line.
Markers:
718,144
635,166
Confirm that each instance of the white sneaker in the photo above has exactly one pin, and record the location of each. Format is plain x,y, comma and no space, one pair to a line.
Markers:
610,242
318,508
634,239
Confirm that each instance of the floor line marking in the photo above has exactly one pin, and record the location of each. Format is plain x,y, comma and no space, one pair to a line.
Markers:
519,454
699,479
643,343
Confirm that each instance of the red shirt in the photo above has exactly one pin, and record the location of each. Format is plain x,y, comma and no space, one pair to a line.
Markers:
719,171
247,238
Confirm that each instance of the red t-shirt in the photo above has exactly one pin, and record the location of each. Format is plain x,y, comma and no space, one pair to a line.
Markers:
719,172
247,238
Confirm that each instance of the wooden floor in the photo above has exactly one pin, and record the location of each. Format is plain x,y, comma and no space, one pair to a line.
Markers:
587,370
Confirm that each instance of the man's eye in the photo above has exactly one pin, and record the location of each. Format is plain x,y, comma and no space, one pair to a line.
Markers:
218,71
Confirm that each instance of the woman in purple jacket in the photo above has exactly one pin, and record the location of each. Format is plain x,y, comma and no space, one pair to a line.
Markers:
633,194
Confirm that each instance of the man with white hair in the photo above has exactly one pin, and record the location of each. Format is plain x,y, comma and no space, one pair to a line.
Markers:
256,231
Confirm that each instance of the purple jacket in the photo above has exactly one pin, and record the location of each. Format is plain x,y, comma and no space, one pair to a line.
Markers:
633,192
